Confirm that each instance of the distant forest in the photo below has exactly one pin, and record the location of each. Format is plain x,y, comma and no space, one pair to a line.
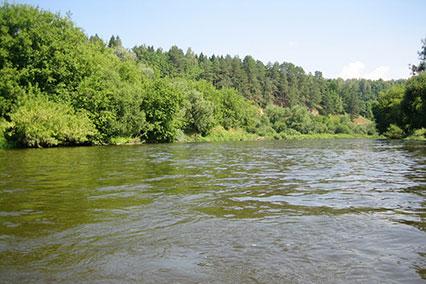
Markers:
282,84
61,87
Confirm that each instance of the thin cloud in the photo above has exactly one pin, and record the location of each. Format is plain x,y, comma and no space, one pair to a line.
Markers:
358,70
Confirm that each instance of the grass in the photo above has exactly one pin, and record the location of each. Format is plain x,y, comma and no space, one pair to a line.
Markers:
219,134
125,141
419,134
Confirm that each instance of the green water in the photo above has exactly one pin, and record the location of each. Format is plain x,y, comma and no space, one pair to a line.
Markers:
333,211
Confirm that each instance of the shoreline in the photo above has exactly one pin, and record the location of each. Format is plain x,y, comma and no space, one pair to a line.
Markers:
232,135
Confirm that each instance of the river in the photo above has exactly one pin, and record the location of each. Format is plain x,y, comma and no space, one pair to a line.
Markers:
322,211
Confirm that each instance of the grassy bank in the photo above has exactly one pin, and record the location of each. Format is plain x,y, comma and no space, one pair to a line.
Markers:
419,135
220,134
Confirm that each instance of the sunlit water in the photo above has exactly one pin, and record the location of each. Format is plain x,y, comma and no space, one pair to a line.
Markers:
323,211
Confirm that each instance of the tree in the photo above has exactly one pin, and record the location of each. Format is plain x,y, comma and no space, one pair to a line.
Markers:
115,42
254,86
199,114
331,102
37,122
97,40
39,48
155,94
421,67
387,109
162,105
413,104
177,60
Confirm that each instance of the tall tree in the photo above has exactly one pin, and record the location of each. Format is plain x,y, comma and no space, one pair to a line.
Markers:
421,67
414,102
115,42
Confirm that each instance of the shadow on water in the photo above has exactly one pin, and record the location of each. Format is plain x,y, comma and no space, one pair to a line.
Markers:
298,211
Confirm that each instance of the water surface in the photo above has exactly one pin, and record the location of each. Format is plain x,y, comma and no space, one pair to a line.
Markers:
334,211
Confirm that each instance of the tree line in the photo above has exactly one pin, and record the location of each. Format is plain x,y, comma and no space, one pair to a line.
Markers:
282,84
60,87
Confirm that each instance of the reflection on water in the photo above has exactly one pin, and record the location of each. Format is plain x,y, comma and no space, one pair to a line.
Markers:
260,212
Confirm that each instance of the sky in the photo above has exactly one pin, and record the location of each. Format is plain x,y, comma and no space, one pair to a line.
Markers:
369,39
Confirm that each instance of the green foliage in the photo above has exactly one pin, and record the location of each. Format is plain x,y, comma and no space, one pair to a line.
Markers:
387,109
277,117
112,95
300,120
418,134
296,118
236,111
38,122
93,92
4,125
414,102
331,103
124,140
282,84
162,105
199,114
394,132
219,134
41,49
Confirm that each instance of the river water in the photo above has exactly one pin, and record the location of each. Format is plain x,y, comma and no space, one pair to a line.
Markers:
322,211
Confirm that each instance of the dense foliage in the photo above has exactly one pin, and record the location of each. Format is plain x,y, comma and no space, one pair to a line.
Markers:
39,122
60,87
401,110
282,84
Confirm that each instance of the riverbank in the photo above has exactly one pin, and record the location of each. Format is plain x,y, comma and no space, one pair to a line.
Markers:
222,135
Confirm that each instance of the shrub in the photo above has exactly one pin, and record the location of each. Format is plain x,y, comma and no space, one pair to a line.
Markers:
38,122
394,132
162,105
199,114
4,125
387,109
300,120
418,134
413,104
233,109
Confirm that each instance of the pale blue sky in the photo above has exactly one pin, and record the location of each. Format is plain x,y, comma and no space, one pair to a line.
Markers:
359,38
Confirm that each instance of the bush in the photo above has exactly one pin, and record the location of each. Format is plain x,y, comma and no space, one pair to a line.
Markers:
290,132
394,132
219,134
38,122
277,117
4,125
413,104
199,114
300,120
234,110
162,104
418,134
387,109
343,129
